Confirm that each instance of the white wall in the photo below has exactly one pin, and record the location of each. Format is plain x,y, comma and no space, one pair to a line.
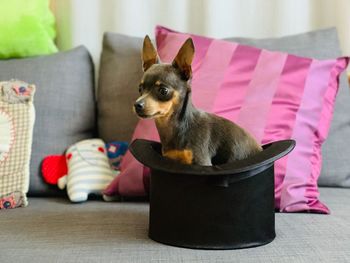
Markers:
84,21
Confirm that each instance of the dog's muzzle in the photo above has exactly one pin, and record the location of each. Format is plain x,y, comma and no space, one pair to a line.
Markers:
139,107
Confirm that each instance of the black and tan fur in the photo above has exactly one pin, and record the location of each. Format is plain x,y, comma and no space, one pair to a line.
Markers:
187,134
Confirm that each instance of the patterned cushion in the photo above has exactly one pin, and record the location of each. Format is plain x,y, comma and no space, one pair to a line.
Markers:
16,129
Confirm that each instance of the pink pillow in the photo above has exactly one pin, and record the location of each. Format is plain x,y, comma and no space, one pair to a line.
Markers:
273,95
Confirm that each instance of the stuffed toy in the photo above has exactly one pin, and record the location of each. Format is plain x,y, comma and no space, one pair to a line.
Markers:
84,168
115,153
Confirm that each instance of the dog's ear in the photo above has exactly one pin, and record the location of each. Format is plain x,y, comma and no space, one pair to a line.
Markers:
183,59
149,54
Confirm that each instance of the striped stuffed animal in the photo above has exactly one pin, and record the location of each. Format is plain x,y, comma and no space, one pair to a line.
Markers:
87,169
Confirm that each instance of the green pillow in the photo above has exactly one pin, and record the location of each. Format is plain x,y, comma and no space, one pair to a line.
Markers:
27,28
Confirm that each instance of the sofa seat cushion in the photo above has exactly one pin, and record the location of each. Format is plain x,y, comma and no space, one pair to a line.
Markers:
52,229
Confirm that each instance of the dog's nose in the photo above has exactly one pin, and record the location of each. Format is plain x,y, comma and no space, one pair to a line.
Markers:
139,105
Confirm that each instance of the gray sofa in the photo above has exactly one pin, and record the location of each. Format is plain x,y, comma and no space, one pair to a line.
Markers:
51,229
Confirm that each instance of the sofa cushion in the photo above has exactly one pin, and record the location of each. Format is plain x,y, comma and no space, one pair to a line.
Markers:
273,95
64,102
120,73
321,44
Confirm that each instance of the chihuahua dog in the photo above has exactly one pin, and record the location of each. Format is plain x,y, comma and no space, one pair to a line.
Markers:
187,134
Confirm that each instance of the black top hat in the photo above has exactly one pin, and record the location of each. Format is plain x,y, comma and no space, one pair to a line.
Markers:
212,207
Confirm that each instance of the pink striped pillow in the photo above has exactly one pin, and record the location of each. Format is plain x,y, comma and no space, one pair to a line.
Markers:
273,95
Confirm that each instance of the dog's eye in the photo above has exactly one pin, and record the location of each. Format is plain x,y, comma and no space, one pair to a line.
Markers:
140,89
163,91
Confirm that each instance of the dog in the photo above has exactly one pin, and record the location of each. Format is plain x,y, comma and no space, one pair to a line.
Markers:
187,134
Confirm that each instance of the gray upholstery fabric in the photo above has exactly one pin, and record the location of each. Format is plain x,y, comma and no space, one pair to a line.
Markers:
64,103
119,77
54,230
120,73
336,149
322,44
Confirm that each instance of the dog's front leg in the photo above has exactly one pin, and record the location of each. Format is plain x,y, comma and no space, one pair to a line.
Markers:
204,160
